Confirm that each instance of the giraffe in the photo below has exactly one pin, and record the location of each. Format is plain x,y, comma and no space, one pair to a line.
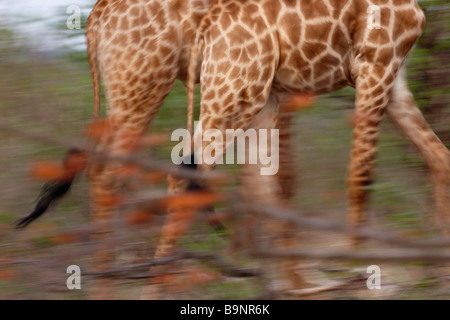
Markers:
254,52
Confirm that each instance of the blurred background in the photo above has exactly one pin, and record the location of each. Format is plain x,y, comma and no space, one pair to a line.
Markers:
46,88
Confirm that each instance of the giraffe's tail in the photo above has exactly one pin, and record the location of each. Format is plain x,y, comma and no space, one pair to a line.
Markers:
75,159
194,59
91,38
74,162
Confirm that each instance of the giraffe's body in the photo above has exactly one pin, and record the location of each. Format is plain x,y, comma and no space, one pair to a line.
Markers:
263,47
140,48
256,51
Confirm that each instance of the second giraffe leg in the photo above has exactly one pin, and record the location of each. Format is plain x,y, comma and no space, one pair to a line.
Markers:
105,186
404,112
274,190
287,173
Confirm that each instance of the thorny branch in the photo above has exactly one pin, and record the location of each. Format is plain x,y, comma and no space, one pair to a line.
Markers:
401,250
215,261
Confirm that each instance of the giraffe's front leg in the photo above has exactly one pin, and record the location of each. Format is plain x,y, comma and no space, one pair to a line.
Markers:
371,102
177,222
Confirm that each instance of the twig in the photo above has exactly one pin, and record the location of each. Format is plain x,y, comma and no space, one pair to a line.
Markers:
185,255
150,165
363,232
374,256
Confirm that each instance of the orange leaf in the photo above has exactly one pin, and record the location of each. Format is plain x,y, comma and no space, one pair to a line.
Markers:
138,217
299,101
64,238
7,274
47,170
109,200
193,200
75,161
100,128
155,177
178,223
128,170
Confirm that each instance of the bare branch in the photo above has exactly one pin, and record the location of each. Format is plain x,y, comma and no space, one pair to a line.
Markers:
296,218
374,256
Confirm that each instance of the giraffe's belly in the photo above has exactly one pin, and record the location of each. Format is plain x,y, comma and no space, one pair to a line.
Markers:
315,54
328,73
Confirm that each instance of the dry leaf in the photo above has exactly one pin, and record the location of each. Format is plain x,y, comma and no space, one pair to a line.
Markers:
193,200
129,170
139,217
7,274
155,177
75,161
48,170
109,200
64,238
100,128
299,101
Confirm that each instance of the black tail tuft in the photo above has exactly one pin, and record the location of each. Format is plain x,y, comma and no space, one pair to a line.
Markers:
74,162
51,192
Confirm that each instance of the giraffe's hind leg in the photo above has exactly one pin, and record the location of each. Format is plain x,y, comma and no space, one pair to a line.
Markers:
404,112
107,187
130,111
287,173
228,102
274,190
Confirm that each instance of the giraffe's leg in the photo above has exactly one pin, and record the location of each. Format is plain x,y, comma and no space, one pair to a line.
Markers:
178,219
286,175
371,102
404,112
106,190
131,107
273,190
138,72
228,102
287,179
105,185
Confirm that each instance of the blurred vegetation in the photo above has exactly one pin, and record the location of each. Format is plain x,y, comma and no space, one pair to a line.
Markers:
429,72
51,91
